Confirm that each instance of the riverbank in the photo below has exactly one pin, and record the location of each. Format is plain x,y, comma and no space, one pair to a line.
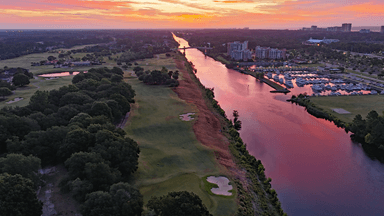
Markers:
255,195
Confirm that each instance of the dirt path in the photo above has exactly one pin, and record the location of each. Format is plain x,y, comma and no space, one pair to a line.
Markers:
207,126
123,121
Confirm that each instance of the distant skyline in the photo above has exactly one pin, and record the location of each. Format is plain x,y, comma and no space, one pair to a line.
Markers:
119,14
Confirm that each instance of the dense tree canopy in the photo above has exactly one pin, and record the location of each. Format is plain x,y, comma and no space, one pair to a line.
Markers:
18,196
26,166
121,200
178,203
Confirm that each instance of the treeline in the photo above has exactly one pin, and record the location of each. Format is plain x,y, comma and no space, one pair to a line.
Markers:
264,200
23,43
143,43
369,130
358,47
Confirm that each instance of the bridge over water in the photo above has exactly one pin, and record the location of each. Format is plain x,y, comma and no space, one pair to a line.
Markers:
184,48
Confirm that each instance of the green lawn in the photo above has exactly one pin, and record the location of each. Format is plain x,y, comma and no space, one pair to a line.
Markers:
157,63
360,104
41,84
171,158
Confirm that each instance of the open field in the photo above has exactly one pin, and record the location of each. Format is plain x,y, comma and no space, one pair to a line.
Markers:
359,104
77,47
41,84
157,63
25,62
171,157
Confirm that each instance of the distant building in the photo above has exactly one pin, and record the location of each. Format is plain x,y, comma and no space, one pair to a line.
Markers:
277,54
346,27
270,53
382,29
236,46
365,31
239,51
262,52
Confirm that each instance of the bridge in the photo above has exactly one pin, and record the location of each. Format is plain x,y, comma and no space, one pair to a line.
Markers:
184,48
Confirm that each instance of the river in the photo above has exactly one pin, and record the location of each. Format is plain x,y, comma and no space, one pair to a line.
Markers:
315,167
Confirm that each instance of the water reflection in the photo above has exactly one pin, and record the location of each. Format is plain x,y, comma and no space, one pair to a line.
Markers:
61,74
315,167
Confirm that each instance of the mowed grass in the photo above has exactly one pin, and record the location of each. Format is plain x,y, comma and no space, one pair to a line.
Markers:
171,158
360,104
41,84
156,63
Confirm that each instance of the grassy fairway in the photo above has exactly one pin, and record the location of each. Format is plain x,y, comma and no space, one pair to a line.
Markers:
157,63
41,84
361,104
171,158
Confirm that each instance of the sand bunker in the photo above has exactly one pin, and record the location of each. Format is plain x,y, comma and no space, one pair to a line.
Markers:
340,111
223,184
187,117
15,100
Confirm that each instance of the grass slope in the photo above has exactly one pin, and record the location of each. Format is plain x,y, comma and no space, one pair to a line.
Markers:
171,158
361,104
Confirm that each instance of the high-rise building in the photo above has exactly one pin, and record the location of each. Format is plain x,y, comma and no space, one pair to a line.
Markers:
346,27
313,28
271,53
382,29
238,51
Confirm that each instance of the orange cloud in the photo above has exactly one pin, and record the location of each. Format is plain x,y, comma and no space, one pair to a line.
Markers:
367,8
187,14
232,2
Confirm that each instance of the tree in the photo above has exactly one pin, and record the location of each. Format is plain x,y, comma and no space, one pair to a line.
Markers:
39,100
127,200
4,91
51,58
123,154
75,141
18,197
178,203
175,75
101,108
121,200
20,80
236,121
98,203
26,166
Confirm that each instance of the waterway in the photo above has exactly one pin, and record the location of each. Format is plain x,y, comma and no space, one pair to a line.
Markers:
315,167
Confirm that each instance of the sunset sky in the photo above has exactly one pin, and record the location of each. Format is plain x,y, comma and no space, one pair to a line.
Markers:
271,14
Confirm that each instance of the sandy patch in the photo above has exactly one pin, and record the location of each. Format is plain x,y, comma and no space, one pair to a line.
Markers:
187,117
223,183
340,111
15,100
